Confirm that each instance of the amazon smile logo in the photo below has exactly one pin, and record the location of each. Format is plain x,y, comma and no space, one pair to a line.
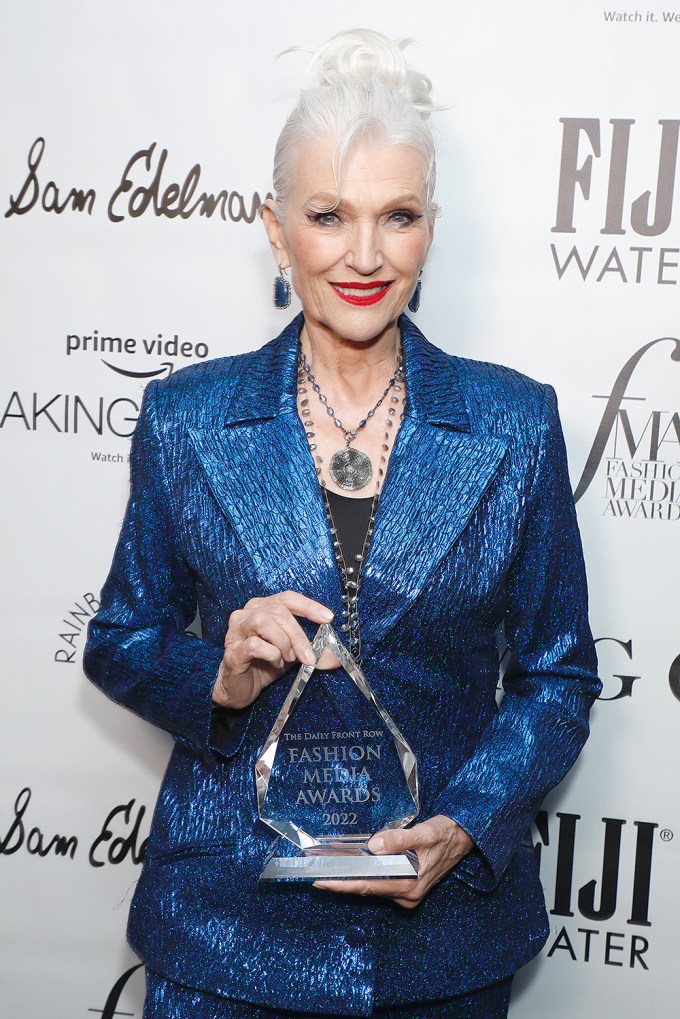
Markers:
118,349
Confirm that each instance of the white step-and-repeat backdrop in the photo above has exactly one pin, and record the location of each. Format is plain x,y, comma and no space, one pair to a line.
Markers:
136,148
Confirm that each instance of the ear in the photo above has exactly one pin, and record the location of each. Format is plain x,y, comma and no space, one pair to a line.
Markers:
275,234
430,238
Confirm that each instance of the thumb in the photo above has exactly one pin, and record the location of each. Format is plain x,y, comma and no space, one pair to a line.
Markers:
391,840
327,660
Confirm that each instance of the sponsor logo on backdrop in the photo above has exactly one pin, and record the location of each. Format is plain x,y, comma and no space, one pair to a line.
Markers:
110,1009
674,678
145,187
635,455
117,352
620,685
599,161
75,624
602,920
118,839
70,413
133,358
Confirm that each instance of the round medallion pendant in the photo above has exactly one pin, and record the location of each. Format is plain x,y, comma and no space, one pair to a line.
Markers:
350,468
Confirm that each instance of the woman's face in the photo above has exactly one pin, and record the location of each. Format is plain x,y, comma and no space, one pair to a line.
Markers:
355,268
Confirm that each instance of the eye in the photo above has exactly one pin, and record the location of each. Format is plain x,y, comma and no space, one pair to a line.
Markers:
404,217
323,218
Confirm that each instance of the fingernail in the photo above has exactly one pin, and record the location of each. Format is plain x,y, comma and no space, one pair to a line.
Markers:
309,657
377,844
327,614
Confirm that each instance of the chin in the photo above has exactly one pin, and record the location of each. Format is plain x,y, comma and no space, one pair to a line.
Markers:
361,325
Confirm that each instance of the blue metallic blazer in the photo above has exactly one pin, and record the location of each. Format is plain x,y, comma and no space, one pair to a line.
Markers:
475,534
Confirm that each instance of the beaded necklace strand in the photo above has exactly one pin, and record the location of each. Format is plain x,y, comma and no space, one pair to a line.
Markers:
350,575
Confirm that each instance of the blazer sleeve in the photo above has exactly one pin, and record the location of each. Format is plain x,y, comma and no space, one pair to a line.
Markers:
549,684
138,651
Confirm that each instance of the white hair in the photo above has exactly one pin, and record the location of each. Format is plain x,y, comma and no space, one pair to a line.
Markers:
363,85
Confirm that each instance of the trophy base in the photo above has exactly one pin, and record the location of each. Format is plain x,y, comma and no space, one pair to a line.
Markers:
336,860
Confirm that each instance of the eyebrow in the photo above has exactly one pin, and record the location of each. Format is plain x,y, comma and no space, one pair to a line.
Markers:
328,201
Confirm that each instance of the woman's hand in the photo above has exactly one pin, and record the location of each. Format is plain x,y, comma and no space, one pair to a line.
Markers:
262,640
440,844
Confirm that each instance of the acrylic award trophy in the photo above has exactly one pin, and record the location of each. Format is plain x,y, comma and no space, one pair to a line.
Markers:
334,771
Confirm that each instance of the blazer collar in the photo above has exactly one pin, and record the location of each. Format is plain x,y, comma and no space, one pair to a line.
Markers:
267,386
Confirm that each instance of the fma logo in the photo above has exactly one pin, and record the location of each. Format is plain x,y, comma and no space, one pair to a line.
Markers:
636,449
113,1006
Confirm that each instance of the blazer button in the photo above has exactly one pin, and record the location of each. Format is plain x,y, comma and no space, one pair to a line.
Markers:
356,937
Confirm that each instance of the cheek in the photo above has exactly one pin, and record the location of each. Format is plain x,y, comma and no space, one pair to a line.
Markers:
410,255
312,256
407,251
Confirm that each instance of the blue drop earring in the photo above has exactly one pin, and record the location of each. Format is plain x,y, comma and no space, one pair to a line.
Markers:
282,291
414,303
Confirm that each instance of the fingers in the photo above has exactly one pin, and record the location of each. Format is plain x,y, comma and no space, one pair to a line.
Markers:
407,893
277,628
328,660
387,887
298,604
256,648
273,619
397,840
261,641
440,844
435,831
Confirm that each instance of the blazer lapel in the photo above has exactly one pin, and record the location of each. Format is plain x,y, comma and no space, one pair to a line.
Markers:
262,476
437,474
434,481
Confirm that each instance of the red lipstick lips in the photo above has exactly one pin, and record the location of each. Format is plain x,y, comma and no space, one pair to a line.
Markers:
372,292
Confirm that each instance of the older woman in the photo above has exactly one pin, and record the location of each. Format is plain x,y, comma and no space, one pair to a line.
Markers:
446,486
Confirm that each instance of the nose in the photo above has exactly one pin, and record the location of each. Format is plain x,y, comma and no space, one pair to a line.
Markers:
364,253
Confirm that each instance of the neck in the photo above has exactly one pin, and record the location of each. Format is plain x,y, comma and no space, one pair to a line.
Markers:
352,367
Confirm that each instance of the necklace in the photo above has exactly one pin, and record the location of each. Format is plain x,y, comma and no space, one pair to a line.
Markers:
350,576
349,468
350,573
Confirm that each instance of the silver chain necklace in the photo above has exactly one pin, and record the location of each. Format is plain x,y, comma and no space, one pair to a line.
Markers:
350,573
349,468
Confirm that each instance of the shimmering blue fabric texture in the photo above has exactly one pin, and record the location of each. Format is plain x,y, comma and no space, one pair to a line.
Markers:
475,533
168,1000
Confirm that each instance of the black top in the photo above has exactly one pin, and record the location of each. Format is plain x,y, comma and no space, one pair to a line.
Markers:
350,517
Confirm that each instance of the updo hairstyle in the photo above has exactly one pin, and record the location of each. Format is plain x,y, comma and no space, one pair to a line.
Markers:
363,85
